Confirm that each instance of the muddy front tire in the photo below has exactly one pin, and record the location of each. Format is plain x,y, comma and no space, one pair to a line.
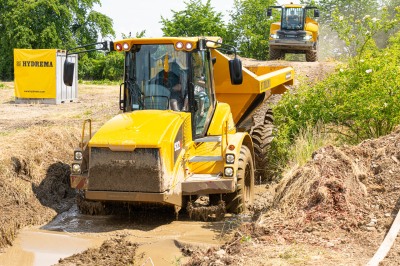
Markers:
239,200
89,207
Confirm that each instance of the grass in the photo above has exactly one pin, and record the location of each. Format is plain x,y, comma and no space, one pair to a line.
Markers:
309,140
295,254
100,82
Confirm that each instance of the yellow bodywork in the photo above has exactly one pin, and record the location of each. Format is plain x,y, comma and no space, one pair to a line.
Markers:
256,80
170,132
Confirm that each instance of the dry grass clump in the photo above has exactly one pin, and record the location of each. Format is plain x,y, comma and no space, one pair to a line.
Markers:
34,172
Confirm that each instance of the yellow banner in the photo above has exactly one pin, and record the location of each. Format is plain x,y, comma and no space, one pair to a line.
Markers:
35,73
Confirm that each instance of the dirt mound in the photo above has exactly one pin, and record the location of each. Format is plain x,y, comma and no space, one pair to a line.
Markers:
115,251
348,188
344,198
34,182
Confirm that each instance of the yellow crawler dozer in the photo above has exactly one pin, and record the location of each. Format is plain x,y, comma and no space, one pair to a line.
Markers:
182,130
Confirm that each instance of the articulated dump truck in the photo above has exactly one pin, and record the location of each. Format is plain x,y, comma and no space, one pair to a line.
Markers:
182,132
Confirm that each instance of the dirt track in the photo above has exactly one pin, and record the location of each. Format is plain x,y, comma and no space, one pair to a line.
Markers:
41,138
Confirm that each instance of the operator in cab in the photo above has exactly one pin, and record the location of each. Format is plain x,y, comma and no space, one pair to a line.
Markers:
171,78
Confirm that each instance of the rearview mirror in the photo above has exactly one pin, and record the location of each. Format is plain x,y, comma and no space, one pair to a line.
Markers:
235,71
68,72
269,12
316,13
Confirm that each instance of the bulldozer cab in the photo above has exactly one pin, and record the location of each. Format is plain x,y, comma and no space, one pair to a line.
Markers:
160,77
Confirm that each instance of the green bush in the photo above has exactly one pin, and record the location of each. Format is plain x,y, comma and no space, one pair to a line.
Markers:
101,66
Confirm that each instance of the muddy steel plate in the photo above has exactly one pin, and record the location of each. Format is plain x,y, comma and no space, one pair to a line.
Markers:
137,171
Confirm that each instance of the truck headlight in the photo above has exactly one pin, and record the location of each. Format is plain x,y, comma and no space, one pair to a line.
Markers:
228,171
76,168
307,37
78,155
230,158
274,36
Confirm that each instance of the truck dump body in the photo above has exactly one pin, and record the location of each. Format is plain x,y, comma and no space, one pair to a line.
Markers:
259,83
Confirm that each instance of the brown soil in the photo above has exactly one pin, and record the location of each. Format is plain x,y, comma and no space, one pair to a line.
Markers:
334,210
116,251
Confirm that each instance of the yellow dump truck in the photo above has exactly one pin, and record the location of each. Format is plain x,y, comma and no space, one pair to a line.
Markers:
296,32
182,132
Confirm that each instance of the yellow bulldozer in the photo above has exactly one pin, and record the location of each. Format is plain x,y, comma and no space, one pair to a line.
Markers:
296,32
182,131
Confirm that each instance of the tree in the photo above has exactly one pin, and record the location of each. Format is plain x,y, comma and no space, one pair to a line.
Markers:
249,27
352,12
46,24
197,19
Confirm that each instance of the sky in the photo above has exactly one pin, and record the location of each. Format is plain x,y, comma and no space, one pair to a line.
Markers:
135,16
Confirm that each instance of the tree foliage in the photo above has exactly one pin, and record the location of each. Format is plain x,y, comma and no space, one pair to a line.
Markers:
357,33
249,27
197,19
352,12
48,24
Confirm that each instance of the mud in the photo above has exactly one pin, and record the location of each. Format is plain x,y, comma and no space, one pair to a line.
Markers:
111,170
144,236
204,213
39,247
116,251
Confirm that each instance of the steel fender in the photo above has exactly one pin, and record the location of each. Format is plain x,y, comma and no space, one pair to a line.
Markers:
237,140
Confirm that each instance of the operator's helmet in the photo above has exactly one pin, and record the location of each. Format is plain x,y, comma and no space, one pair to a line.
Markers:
292,12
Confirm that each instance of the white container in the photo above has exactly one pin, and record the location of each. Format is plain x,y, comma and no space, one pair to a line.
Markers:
38,76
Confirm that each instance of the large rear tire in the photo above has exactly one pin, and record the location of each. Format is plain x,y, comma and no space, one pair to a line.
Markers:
262,136
239,200
311,56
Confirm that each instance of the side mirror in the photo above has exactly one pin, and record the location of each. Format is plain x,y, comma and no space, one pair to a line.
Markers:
235,71
316,13
68,72
269,12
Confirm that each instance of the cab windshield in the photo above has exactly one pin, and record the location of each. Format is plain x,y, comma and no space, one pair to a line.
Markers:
159,77
156,78
292,19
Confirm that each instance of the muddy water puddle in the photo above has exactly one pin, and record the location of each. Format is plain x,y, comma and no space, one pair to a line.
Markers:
159,235
39,247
